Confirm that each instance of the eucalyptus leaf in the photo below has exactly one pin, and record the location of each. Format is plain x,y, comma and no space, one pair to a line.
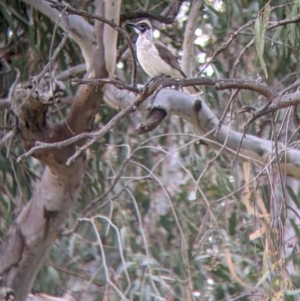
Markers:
260,26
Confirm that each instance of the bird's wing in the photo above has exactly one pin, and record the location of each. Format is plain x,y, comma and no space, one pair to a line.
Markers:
170,59
167,56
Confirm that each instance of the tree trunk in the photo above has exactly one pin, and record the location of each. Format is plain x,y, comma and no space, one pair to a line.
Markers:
23,251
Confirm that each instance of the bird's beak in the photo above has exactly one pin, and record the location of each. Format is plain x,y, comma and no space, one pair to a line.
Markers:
136,27
132,24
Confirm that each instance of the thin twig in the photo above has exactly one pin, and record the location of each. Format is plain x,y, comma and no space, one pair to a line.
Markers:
148,90
220,84
94,136
98,81
37,78
224,46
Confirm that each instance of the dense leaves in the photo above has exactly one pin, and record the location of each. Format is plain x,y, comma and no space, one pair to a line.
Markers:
160,215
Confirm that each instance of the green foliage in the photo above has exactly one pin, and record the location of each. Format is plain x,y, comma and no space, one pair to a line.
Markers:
163,229
260,27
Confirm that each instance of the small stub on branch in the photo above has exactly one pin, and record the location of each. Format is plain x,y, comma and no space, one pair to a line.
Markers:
156,117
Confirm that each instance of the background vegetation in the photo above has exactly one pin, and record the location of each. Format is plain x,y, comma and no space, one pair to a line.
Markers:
161,216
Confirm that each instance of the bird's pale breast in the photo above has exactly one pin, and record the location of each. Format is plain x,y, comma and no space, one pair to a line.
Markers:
150,60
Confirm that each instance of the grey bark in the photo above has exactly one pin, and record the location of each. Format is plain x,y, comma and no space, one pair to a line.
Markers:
37,227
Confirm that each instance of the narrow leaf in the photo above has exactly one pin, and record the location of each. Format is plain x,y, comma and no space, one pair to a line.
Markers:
263,278
296,227
292,292
232,223
260,27
293,196
276,34
292,35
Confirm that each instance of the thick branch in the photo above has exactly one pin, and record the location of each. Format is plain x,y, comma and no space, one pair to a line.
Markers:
88,98
109,33
189,37
260,88
166,17
28,241
220,84
205,121
23,250
4,103
281,102
145,14
145,95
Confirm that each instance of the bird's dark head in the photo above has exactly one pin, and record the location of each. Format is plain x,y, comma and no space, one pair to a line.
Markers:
141,27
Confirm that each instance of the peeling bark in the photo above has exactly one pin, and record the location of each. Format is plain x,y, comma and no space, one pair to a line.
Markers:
37,227
23,251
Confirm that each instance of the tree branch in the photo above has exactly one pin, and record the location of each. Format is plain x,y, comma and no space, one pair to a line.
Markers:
281,102
204,120
147,15
220,84
189,37
23,250
112,24
80,30
295,19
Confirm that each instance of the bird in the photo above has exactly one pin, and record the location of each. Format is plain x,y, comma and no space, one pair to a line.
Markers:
154,57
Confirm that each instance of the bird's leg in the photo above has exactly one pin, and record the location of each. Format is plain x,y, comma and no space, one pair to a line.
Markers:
155,78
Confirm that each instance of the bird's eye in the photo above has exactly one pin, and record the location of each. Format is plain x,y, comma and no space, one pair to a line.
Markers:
143,27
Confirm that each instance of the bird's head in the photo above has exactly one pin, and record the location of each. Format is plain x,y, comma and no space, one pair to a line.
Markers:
143,28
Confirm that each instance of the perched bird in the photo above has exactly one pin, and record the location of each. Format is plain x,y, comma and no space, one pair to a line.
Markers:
154,57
